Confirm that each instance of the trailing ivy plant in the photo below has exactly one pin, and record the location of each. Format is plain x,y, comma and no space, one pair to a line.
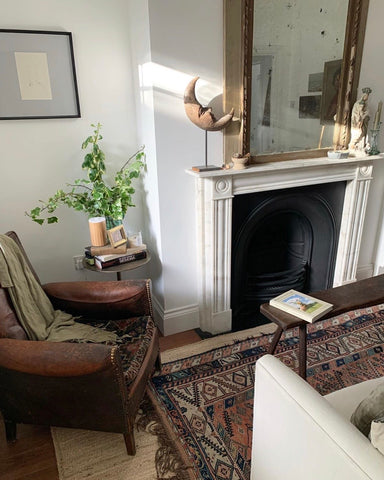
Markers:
93,195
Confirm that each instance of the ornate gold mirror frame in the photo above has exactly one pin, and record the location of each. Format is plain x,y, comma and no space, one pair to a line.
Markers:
238,44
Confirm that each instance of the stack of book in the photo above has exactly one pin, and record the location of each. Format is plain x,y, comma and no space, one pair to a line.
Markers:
108,256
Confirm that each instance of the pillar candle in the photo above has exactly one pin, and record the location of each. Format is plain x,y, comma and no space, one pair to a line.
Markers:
98,231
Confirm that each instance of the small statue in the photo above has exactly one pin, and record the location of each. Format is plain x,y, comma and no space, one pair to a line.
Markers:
359,124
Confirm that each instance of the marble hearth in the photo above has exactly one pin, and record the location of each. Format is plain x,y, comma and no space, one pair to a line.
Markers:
215,191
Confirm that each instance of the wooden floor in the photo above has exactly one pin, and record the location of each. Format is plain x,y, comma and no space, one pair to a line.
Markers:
32,457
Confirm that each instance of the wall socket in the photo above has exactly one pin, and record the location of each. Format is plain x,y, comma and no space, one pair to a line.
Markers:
78,259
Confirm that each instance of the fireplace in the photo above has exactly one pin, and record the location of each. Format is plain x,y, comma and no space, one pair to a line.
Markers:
217,195
281,240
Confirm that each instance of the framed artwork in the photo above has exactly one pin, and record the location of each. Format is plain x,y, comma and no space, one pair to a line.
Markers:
315,82
331,83
117,236
309,106
38,75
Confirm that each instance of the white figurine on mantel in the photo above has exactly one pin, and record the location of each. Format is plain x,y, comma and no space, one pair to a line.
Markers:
359,125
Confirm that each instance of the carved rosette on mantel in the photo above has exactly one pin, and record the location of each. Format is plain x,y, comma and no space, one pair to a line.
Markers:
215,192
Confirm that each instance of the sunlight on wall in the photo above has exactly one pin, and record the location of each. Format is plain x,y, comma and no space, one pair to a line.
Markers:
172,83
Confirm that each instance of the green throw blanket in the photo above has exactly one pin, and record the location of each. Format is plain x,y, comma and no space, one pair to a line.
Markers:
34,309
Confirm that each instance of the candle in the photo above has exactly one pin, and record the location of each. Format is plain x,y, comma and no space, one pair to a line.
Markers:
376,123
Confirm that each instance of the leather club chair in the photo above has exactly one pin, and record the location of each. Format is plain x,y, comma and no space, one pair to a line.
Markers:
78,385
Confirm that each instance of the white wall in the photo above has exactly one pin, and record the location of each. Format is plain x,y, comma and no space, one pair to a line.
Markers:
40,156
185,41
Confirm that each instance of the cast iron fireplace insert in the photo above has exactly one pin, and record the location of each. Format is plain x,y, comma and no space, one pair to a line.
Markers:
282,239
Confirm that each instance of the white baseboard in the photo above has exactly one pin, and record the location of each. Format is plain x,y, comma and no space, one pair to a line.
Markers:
364,271
175,320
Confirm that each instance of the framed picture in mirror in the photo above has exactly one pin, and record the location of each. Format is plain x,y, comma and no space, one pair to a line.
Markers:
330,91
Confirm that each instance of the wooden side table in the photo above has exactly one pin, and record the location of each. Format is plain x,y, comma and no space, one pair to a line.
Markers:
363,293
118,269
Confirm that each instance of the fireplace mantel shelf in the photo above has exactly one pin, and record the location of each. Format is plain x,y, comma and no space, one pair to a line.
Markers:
215,191
286,165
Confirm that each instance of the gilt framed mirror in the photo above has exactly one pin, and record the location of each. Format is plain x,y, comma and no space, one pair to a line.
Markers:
291,70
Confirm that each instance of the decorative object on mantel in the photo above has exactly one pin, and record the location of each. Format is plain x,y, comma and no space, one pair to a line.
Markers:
203,116
359,125
240,161
204,119
338,154
374,147
93,195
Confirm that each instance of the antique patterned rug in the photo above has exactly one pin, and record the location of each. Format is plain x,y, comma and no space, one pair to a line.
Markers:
206,399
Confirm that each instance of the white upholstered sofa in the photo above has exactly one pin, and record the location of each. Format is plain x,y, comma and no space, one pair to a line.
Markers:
298,434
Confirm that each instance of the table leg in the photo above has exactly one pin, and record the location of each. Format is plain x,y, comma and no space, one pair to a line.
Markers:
303,351
275,340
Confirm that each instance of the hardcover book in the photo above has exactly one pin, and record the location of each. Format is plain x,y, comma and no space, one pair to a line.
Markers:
132,254
301,305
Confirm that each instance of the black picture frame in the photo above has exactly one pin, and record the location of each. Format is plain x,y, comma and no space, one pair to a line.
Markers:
37,75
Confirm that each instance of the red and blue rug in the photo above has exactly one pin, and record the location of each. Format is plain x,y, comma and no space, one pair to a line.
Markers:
207,399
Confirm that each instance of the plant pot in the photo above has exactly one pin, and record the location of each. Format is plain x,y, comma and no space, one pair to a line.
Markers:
240,162
112,222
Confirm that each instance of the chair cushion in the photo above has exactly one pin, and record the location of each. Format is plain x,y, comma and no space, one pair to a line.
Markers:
134,338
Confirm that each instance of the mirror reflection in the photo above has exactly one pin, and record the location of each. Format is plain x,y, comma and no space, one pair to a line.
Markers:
296,68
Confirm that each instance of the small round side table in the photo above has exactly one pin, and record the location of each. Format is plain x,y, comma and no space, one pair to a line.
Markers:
118,269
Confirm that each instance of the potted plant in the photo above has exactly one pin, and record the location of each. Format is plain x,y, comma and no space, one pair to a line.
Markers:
93,195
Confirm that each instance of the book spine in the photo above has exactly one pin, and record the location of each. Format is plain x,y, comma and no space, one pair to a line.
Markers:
118,261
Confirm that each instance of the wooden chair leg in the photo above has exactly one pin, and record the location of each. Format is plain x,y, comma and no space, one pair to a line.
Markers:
275,340
303,351
130,442
10,430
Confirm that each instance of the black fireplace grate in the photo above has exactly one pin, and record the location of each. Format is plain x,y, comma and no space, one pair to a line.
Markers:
262,287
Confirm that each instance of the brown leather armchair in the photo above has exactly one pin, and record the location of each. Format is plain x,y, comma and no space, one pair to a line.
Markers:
78,385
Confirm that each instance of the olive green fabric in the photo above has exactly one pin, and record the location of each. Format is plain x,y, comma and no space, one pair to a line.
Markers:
33,308
369,409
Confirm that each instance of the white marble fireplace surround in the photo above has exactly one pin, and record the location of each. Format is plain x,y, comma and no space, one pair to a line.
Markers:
215,191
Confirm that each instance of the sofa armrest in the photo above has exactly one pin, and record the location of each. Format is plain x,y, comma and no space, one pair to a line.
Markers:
55,359
298,435
116,299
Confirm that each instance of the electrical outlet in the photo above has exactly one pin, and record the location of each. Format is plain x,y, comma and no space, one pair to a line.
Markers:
78,259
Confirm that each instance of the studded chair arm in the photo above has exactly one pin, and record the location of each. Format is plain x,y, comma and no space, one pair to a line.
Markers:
116,299
57,359
63,384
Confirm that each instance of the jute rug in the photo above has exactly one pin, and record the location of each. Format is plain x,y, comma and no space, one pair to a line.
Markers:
83,454
204,396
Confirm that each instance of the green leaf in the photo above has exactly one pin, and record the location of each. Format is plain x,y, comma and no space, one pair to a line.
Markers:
52,220
40,221
35,212
86,142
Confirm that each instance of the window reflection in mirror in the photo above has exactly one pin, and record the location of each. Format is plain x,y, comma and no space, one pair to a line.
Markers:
296,66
